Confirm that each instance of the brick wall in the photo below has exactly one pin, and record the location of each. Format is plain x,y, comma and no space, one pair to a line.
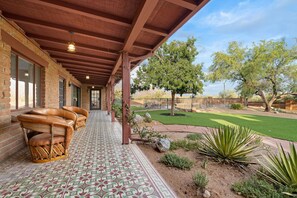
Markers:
11,137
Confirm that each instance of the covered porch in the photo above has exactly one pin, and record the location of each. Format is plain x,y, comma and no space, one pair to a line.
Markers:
97,166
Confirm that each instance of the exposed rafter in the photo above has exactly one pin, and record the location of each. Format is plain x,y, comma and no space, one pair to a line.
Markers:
75,72
82,63
95,14
79,54
81,32
86,69
99,64
139,21
184,4
183,21
78,45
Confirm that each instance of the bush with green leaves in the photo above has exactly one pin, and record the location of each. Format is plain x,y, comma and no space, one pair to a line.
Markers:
236,106
184,144
147,118
282,167
256,187
229,144
200,180
173,160
194,136
117,108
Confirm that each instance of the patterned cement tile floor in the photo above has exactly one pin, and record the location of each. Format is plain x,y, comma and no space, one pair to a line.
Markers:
98,166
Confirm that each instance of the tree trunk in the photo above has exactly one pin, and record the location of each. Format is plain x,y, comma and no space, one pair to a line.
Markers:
172,103
267,103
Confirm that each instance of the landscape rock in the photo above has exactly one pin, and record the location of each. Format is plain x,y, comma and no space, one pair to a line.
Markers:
206,194
147,115
138,118
163,144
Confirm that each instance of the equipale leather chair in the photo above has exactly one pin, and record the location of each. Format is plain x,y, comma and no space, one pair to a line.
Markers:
82,115
53,139
68,116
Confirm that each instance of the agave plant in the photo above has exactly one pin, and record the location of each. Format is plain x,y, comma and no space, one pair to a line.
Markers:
282,167
230,144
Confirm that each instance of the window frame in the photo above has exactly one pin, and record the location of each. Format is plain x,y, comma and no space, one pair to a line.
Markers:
17,55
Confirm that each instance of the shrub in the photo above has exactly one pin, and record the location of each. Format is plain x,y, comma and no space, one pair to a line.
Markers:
184,144
194,136
282,168
236,106
257,187
117,108
147,117
229,144
200,180
172,160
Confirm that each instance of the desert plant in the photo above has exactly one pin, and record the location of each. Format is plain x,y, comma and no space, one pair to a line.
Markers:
259,187
173,160
200,180
229,144
204,163
194,136
236,106
184,144
282,167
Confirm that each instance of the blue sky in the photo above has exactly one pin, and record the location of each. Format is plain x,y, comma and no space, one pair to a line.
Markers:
246,21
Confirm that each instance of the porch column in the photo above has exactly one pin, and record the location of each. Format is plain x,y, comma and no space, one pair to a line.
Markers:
125,97
112,96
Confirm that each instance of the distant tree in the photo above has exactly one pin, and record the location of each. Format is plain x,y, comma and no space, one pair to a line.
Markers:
267,69
172,69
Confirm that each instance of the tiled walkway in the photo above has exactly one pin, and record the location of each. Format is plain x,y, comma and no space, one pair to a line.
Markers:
98,166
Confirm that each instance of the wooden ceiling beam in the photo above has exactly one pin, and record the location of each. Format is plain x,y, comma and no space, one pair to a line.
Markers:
58,27
95,14
184,4
87,74
180,23
78,45
81,32
83,64
80,54
88,68
139,21
62,58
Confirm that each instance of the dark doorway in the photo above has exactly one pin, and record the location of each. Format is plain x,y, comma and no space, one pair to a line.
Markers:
95,98
61,92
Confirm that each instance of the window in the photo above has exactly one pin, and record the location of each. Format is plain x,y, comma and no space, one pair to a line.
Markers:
25,83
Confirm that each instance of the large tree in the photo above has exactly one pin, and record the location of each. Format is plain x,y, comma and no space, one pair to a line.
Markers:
267,69
172,69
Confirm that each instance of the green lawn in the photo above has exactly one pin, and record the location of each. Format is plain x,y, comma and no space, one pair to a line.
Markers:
281,128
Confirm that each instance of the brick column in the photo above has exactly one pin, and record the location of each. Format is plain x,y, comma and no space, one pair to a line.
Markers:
4,84
125,97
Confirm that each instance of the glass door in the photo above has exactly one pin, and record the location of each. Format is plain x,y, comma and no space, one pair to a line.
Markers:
95,98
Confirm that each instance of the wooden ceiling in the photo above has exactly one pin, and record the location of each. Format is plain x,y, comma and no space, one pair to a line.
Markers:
102,30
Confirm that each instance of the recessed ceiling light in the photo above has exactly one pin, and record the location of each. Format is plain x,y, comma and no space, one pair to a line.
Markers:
87,77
